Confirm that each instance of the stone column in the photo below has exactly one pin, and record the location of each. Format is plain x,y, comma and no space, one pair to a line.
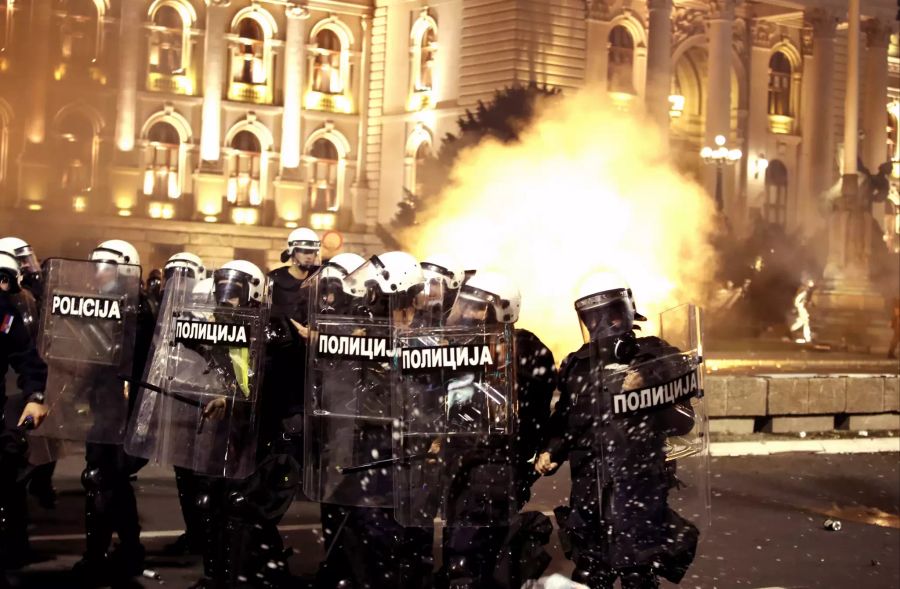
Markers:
294,79
876,83
758,108
659,63
35,126
214,54
129,37
818,118
718,88
851,102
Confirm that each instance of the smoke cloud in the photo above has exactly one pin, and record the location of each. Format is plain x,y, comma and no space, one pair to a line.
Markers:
588,188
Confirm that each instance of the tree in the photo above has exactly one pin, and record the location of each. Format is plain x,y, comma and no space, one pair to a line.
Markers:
509,112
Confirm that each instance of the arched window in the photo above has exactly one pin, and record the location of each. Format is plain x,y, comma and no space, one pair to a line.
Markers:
75,139
775,206
79,32
620,72
7,11
248,53
422,155
327,75
424,52
780,85
246,166
323,186
161,179
167,42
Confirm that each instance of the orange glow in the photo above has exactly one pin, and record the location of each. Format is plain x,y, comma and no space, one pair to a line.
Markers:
588,188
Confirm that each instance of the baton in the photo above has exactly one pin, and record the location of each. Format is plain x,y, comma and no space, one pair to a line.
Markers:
384,462
156,389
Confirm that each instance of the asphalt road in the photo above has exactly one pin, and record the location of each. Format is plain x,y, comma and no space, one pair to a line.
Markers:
766,527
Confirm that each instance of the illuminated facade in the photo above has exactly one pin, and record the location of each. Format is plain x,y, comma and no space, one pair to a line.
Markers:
217,125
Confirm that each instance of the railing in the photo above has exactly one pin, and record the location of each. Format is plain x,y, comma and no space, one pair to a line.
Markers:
173,84
254,93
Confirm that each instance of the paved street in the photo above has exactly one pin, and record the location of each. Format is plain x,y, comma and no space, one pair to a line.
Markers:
766,530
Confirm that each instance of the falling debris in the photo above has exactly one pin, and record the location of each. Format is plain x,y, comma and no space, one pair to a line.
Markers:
833,525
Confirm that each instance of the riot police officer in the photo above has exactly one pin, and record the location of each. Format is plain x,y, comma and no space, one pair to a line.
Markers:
619,525
282,400
16,350
506,554
362,536
252,489
28,301
110,504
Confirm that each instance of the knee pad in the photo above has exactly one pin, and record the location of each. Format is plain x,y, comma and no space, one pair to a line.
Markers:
92,479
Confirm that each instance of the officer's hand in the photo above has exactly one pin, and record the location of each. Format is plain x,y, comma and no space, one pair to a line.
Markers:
303,331
544,464
215,409
36,411
434,450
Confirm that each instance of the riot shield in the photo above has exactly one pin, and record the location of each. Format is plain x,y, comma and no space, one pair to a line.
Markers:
88,323
653,447
198,406
348,421
454,403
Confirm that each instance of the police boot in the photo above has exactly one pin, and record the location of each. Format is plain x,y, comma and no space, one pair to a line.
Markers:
639,578
93,569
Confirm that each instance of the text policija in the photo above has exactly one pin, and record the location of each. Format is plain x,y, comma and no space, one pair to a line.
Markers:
350,347
211,333
88,307
667,393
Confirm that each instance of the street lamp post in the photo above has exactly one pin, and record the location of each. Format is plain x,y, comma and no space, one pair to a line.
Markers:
720,156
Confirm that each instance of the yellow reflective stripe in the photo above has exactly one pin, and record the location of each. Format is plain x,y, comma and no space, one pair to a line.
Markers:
240,360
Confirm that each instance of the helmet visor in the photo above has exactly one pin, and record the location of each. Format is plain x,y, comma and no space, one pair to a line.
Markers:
366,276
28,262
180,270
232,287
472,307
605,315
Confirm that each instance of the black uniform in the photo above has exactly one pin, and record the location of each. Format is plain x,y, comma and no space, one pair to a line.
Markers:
505,556
16,350
619,523
110,504
39,480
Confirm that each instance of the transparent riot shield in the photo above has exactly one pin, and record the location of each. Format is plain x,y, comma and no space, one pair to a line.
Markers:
88,322
198,406
455,406
652,449
348,421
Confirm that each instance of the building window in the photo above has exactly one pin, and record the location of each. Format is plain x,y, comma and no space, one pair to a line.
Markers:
248,54
327,64
79,32
161,178
424,53
75,138
7,10
775,207
620,72
780,85
323,185
252,61
167,37
246,165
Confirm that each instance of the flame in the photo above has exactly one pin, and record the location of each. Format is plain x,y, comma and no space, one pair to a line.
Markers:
588,188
